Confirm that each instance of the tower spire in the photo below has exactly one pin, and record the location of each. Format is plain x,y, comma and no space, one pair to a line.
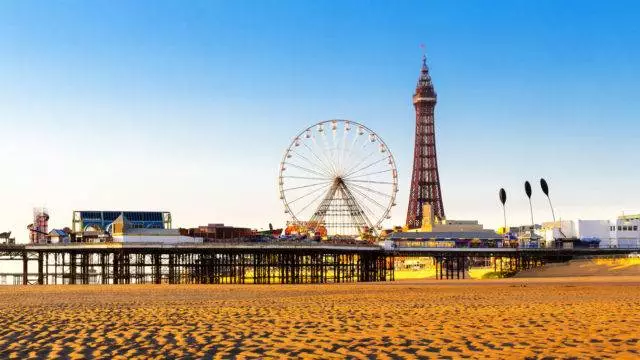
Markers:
424,86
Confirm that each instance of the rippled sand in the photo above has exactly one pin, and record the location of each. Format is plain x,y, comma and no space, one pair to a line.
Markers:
587,267
514,318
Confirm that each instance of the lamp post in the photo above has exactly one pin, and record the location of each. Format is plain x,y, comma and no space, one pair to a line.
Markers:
545,190
532,236
503,200
527,190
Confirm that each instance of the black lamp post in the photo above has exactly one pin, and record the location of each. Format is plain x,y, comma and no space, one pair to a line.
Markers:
503,200
545,190
527,190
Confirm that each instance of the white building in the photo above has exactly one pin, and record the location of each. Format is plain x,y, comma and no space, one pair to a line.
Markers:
593,230
625,231
154,236
123,233
563,229
584,230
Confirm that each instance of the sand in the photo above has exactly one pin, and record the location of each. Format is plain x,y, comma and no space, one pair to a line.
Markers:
586,267
594,317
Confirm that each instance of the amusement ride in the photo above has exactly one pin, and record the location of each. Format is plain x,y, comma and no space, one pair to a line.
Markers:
337,178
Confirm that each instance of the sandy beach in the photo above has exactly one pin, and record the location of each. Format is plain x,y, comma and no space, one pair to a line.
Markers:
508,318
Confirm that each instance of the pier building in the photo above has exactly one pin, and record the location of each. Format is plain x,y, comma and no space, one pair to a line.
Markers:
101,220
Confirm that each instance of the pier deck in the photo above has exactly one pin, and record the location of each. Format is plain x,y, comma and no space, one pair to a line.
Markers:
258,263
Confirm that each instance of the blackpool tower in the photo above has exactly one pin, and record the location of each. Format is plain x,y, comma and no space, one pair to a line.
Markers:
425,181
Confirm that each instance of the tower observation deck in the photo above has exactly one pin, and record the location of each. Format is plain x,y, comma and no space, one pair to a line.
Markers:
425,181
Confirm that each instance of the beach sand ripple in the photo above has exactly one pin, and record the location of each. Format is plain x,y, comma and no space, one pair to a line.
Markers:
511,318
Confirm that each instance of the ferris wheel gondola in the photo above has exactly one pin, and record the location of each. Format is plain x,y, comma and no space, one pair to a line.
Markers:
339,177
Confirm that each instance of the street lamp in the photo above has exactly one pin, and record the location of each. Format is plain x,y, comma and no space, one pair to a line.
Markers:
545,190
503,200
527,190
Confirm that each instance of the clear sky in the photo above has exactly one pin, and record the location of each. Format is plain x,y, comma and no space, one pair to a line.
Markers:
187,106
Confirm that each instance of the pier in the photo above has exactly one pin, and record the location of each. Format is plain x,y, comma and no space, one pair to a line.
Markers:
253,263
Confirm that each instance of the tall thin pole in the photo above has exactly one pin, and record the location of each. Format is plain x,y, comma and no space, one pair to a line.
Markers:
527,190
503,199
504,216
553,215
531,211
545,190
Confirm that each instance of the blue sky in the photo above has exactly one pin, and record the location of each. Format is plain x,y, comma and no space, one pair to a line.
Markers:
188,106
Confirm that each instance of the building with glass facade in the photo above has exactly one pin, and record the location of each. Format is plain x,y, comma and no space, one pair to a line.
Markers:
101,221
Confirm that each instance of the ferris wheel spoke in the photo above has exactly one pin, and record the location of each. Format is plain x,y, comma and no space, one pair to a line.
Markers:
304,177
328,167
336,150
326,146
371,214
358,163
369,174
318,166
306,186
365,208
342,149
365,167
322,194
309,193
353,143
373,201
371,182
333,140
304,169
365,154
370,190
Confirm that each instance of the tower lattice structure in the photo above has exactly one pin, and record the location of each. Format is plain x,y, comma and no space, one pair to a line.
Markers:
425,181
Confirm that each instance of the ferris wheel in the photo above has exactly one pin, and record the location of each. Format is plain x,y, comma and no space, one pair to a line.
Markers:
338,177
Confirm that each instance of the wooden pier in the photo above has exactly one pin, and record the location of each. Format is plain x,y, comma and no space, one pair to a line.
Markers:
199,264
256,263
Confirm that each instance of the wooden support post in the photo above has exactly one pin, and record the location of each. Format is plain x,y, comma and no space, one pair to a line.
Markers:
46,268
157,269
72,265
25,268
447,263
125,268
172,269
464,267
84,268
40,268
104,268
116,267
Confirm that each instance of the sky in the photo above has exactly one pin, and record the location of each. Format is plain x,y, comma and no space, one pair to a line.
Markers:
187,106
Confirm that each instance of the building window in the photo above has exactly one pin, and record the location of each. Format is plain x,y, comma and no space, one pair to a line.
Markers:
619,228
635,228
